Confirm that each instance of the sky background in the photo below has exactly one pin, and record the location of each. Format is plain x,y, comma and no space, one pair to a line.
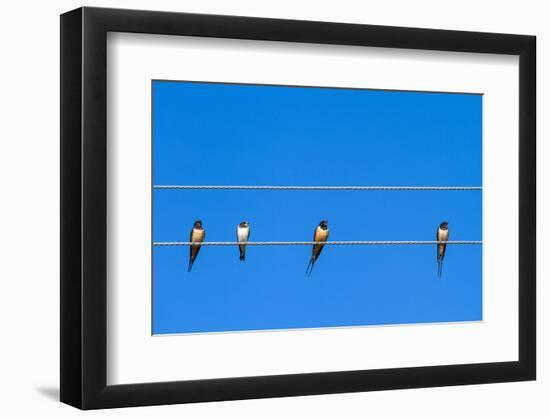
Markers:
230,134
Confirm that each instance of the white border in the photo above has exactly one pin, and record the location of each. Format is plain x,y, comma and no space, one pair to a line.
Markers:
135,356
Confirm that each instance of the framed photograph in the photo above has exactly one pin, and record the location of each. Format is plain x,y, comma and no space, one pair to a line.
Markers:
258,208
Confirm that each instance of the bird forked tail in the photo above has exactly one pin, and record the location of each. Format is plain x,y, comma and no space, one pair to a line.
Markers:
309,268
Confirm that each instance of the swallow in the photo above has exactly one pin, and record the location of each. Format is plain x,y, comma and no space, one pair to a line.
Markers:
197,235
320,235
243,233
442,235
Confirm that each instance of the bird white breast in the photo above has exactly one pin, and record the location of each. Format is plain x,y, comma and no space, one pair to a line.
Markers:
198,235
321,235
242,234
443,234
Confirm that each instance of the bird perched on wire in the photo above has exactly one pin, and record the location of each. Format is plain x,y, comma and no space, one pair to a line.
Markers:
243,233
442,235
197,236
320,235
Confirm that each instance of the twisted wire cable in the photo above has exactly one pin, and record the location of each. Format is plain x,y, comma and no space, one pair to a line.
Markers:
329,243
315,188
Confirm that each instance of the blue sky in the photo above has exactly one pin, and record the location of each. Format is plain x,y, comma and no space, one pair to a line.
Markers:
229,134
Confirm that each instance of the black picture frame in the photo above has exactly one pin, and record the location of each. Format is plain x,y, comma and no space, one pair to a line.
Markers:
84,207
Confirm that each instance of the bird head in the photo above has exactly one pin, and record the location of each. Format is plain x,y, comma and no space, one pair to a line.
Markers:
323,224
444,226
243,224
198,224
